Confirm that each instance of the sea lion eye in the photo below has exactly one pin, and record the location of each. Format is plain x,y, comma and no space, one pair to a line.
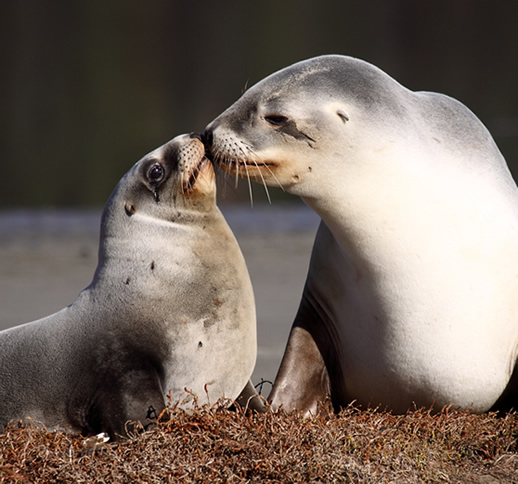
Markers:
155,173
276,119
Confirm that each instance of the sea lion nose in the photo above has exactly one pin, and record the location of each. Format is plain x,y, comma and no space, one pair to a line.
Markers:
196,136
207,136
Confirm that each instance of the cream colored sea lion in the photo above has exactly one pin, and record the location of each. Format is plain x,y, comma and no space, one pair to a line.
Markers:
170,308
412,292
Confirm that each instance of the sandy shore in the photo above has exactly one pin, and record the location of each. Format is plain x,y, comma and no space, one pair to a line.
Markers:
47,258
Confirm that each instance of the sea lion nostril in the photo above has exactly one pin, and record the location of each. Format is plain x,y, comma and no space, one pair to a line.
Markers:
195,136
207,137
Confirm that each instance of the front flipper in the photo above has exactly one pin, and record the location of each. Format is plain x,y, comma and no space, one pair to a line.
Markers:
249,399
302,382
136,398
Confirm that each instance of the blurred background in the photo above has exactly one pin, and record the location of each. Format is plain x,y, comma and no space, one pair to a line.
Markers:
89,87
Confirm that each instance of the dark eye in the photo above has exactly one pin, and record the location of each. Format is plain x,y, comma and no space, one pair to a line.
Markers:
155,173
276,119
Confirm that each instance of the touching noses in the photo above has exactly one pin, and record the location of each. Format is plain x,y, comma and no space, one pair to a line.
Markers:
207,137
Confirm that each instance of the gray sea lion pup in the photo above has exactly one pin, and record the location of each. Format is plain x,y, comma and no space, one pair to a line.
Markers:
170,308
412,290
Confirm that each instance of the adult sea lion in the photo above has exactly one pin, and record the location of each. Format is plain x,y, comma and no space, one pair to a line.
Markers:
412,292
170,308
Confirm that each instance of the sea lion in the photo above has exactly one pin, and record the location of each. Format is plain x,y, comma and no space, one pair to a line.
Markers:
412,292
170,309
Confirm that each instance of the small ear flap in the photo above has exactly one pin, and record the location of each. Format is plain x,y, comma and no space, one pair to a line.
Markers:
343,115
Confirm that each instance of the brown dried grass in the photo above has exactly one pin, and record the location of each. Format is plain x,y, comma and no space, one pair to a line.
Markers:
214,444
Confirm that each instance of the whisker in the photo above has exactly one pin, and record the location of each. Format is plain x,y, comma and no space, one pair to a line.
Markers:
228,186
237,174
264,183
274,177
249,187
251,151
244,154
260,172
238,153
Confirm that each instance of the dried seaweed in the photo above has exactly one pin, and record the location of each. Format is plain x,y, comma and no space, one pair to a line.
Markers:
214,444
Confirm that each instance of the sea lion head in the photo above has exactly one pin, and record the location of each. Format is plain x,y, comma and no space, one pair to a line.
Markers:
170,188
308,123
172,182
176,175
